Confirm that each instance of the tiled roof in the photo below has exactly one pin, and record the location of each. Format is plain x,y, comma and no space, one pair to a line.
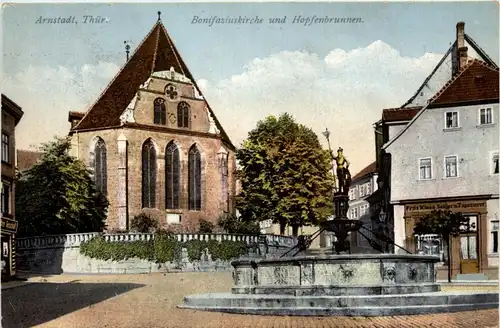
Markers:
370,169
399,114
156,52
75,115
26,159
477,81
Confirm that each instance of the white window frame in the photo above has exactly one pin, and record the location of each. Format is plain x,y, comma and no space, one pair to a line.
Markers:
491,115
456,168
369,188
361,191
492,167
458,120
419,167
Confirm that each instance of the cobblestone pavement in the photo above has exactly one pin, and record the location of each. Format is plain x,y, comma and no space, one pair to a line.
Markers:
150,301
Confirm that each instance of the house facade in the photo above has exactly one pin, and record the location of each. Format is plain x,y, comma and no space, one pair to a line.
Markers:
363,184
11,115
153,142
395,119
447,158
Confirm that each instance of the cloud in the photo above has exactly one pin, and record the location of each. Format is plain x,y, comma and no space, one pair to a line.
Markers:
344,91
47,94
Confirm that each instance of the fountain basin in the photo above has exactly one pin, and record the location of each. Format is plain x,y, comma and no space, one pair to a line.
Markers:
329,285
358,274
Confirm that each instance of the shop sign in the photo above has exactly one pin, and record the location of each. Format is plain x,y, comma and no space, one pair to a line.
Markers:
455,206
9,225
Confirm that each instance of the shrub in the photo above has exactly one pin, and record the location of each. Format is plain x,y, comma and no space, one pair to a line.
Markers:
206,226
164,248
100,249
143,223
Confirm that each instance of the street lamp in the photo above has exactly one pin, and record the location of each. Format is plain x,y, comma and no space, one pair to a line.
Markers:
382,216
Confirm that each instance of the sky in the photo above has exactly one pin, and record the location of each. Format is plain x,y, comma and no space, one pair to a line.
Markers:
335,76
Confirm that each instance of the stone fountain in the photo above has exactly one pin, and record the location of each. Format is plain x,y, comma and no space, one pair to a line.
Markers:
338,283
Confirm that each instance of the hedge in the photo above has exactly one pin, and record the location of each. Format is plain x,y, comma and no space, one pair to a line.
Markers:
163,248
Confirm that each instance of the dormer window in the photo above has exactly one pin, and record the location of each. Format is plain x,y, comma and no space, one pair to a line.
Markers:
172,93
160,111
183,115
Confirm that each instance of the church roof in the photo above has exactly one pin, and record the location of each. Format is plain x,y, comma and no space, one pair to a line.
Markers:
155,53
478,81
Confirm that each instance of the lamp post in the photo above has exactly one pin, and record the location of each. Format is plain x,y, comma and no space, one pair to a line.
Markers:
326,133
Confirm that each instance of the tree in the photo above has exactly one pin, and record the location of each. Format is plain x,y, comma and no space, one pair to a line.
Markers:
235,224
285,175
445,224
58,195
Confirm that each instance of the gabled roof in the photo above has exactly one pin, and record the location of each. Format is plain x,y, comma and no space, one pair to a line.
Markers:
453,49
476,82
399,114
369,170
155,53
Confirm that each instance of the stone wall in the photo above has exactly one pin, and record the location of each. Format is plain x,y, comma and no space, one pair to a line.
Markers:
61,253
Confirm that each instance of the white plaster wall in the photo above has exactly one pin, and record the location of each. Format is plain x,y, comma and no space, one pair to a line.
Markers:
394,130
426,138
399,228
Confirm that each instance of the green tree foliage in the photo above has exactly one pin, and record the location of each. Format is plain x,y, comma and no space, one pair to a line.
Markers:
285,175
58,196
234,224
445,224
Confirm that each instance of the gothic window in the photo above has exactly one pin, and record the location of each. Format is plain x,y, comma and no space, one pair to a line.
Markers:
194,179
160,115
172,175
183,115
100,167
148,175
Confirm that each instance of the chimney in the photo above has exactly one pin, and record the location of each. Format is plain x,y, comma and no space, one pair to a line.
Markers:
461,55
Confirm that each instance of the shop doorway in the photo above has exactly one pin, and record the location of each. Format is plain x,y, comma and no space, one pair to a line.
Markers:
469,262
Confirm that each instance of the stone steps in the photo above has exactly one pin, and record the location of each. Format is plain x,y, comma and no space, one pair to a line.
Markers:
342,305
352,311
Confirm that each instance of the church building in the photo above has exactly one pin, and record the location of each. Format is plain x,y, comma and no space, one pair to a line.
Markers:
153,143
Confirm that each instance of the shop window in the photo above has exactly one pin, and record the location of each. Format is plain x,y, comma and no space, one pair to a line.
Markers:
431,244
